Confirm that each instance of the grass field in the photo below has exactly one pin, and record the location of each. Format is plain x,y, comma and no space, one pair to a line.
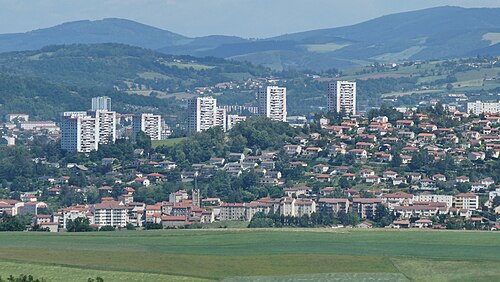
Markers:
167,142
189,65
254,255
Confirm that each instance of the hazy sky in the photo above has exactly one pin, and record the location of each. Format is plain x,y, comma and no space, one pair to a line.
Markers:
246,18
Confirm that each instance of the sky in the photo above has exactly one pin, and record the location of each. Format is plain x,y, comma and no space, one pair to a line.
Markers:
245,18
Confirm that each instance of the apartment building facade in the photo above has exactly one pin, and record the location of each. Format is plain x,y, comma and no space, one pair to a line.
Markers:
203,114
149,124
79,132
272,103
342,97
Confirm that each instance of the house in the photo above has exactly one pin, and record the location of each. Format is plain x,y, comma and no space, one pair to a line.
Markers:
476,156
327,191
359,153
364,225
153,213
10,207
427,184
367,173
389,174
398,181
297,164
297,191
423,223
439,177
349,176
404,123
268,164
236,157
293,149
320,168
31,208
126,198
311,151
488,181
340,170
167,165
142,181
374,179
462,179
401,224
179,196
107,161
52,227
426,137
478,186
54,191
170,221
211,202
323,177
217,161
414,176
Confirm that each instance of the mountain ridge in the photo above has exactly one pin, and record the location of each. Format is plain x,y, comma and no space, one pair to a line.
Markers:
434,33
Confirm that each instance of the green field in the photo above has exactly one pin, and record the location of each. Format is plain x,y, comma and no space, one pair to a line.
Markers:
254,255
167,142
186,65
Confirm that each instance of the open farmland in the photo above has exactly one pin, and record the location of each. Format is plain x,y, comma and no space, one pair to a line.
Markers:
263,255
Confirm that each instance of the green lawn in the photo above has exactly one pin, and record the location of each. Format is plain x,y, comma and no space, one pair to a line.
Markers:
237,254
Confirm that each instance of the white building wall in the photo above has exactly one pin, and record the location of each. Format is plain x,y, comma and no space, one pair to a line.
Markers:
203,114
342,97
79,132
272,103
101,104
149,124
233,120
479,107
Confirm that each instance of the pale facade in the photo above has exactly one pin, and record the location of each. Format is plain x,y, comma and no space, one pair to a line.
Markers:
79,132
479,107
272,103
203,114
233,120
101,104
342,97
149,124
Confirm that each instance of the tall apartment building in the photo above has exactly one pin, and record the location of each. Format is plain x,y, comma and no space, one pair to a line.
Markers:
233,120
342,97
203,114
272,102
479,107
106,126
149,124
101,104
79,132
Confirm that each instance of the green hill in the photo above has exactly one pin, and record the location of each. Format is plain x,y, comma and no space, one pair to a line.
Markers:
435,33
56,78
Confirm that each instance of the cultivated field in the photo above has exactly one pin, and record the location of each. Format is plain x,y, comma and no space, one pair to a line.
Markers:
254,255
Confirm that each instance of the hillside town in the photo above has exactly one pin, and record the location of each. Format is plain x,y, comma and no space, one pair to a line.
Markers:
390,168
